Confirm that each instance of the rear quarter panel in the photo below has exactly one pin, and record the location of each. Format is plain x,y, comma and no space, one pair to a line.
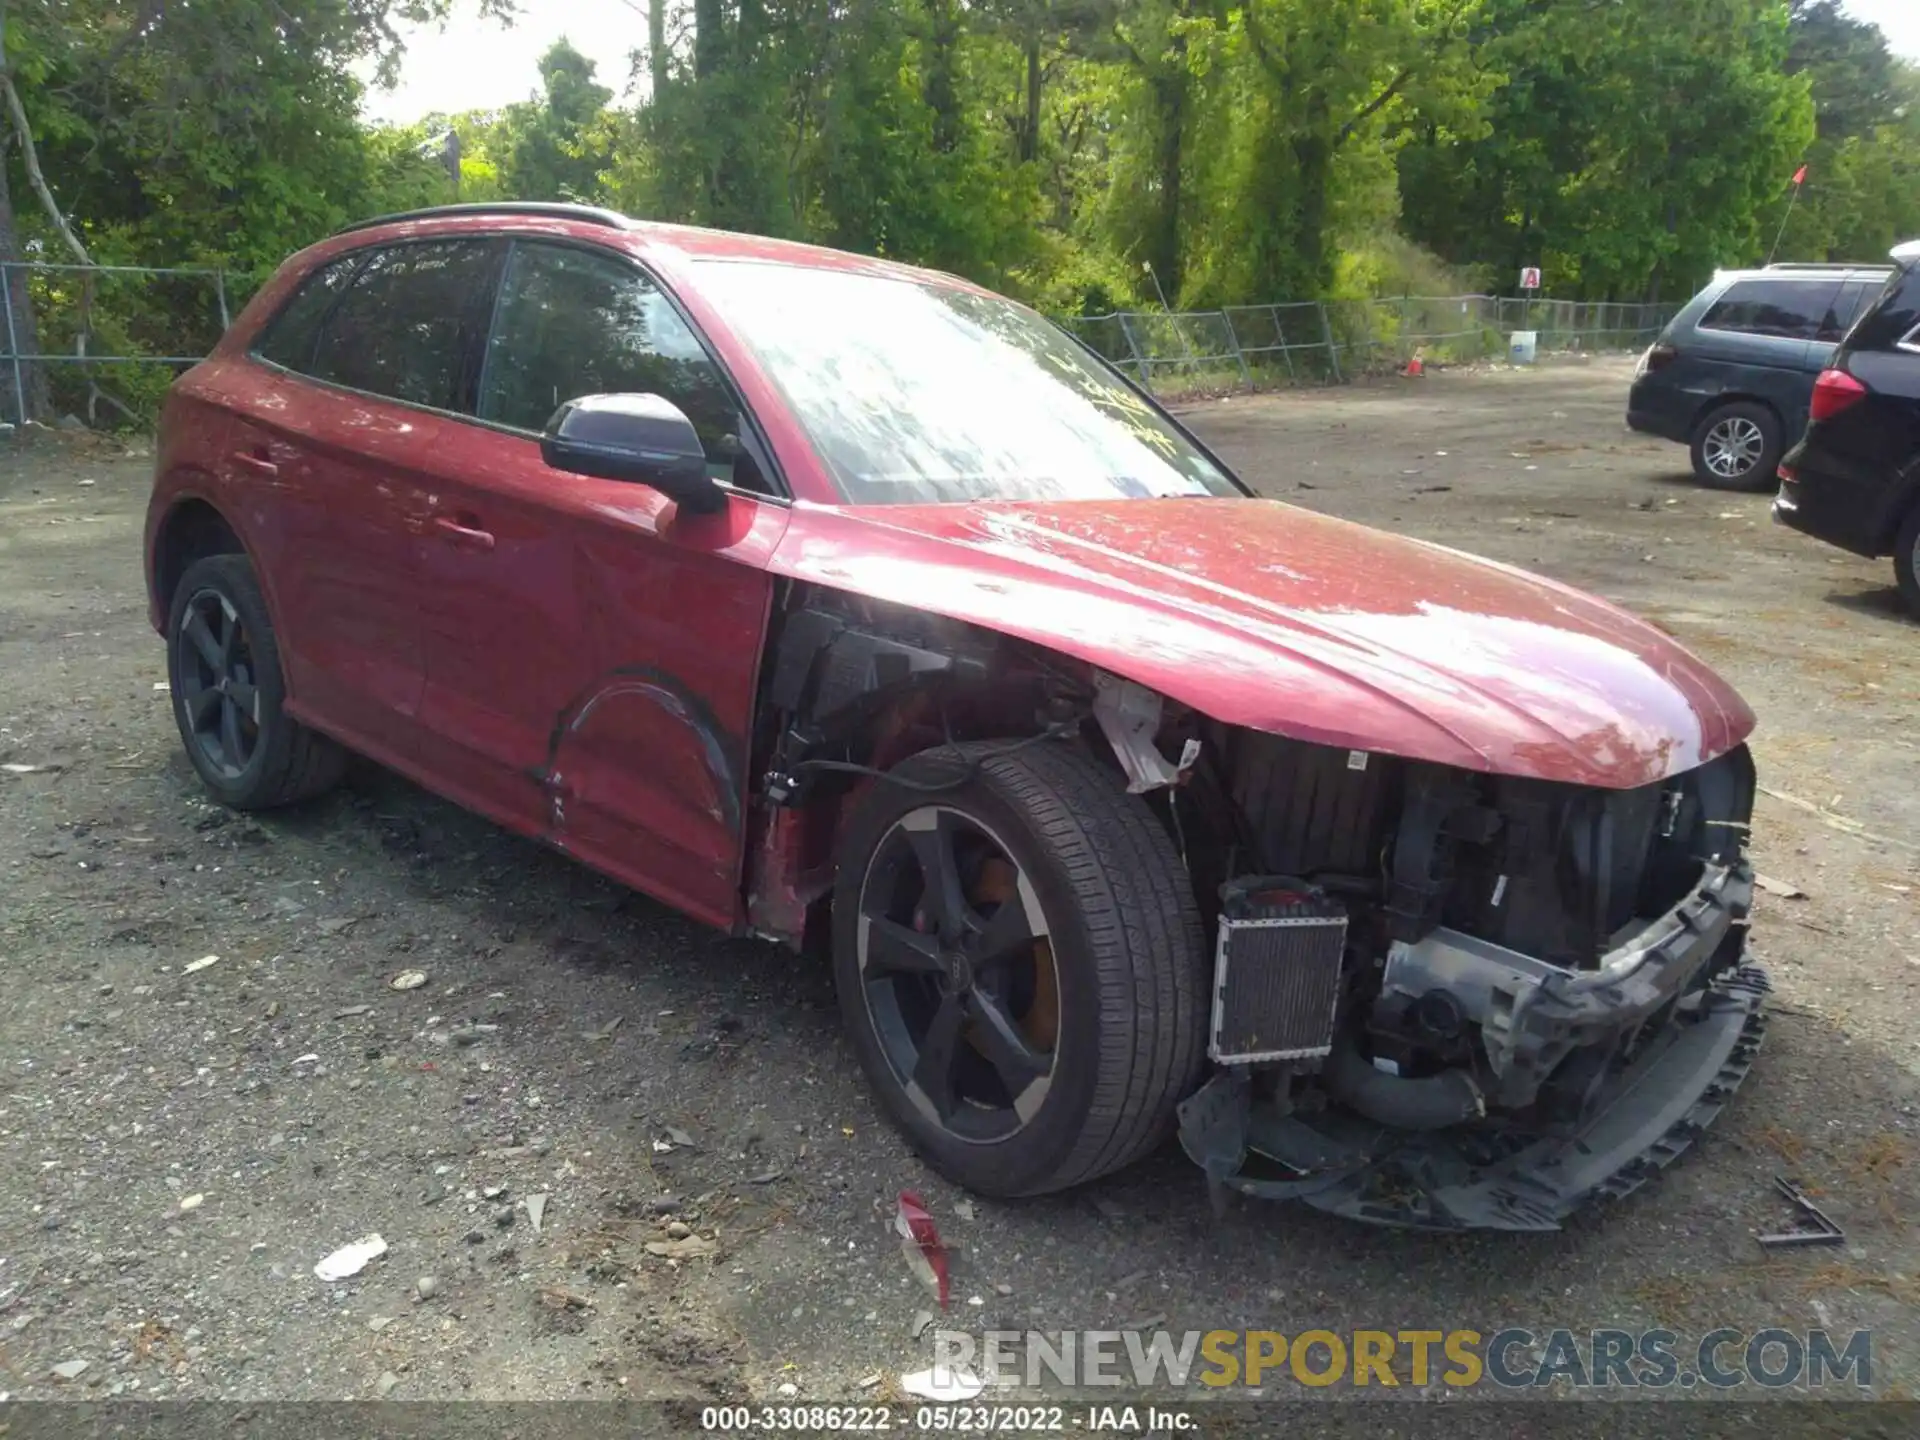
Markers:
1717,367
196,423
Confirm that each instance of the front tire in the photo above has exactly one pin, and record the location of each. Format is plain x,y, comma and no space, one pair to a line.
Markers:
229,693
1737,447
1020,965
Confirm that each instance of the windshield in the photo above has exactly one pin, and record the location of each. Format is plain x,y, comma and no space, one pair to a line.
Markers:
922,392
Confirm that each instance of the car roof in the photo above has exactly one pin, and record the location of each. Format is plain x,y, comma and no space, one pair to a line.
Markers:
694,241
1906,253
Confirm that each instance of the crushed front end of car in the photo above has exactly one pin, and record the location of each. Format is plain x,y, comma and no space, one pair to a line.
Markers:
1448,999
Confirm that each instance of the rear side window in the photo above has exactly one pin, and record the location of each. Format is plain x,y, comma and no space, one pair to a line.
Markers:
572,323
408,327
1784,309
292,334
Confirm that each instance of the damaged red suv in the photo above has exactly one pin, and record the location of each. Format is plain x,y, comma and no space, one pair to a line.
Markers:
857,608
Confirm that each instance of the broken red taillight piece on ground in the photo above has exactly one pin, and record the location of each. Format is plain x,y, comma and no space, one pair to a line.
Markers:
920,1243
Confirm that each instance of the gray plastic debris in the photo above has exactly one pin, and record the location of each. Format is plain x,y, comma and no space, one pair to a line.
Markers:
537,1210
70,1369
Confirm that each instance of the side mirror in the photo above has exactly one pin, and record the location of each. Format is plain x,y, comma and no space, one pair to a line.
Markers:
642,438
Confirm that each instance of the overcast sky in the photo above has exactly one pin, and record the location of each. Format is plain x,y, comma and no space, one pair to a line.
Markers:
476,64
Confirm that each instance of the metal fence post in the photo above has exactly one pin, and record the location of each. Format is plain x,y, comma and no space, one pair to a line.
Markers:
1280,334
1133,348
13,347
220,294
1326,331
1233,340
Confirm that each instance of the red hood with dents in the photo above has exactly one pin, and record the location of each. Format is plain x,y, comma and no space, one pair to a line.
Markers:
1264,615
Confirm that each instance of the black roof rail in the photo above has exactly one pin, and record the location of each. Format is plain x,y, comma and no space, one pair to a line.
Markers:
590,214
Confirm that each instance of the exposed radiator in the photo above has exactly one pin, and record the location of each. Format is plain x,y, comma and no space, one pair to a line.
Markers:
1276,971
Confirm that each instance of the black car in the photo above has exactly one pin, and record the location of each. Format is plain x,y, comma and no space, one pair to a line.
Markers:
1731,376
1854,481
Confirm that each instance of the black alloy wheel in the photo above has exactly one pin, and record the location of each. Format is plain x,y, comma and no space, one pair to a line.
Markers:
229,693
219,698
956,972
1018,956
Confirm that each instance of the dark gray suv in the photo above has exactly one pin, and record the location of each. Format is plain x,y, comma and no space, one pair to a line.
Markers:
1732,374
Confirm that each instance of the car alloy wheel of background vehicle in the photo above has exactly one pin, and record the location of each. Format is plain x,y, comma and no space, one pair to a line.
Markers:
224,667
1020,964
1737,447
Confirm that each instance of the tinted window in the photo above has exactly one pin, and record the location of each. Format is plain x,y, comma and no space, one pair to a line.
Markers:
572,323
913,392
1893,317
1788,309
407,324
292,334
1839,320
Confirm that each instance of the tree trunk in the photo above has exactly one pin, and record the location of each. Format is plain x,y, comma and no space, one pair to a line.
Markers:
1030,128
709,38
1164,244
1313,162
657,46
941,88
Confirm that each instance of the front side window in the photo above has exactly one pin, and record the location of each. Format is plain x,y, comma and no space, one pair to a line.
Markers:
1784,309
573,323
291,336
915,391
406,328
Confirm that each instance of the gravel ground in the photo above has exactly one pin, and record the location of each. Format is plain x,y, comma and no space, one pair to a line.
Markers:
182,1140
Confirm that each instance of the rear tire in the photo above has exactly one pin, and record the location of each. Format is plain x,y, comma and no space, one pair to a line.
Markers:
1084,962
229,693
1906,561
1737,447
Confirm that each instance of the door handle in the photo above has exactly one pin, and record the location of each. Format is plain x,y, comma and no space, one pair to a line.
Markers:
257,461
457,532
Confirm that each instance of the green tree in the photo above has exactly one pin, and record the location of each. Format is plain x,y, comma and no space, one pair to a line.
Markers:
557,147
1862,192
1628,148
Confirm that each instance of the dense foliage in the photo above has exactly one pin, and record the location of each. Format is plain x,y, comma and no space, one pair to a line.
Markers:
1084,153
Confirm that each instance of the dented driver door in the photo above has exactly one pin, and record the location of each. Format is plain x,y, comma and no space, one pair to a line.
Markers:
591,653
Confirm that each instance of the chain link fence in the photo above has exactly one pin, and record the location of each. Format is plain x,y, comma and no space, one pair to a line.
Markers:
102,343
1246,346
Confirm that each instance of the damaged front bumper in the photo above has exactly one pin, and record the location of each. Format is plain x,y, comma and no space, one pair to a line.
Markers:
1684,1048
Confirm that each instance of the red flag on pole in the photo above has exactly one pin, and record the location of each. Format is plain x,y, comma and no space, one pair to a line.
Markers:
1800,175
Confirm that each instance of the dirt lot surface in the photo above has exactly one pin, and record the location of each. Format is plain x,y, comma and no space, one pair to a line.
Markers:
180,1143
